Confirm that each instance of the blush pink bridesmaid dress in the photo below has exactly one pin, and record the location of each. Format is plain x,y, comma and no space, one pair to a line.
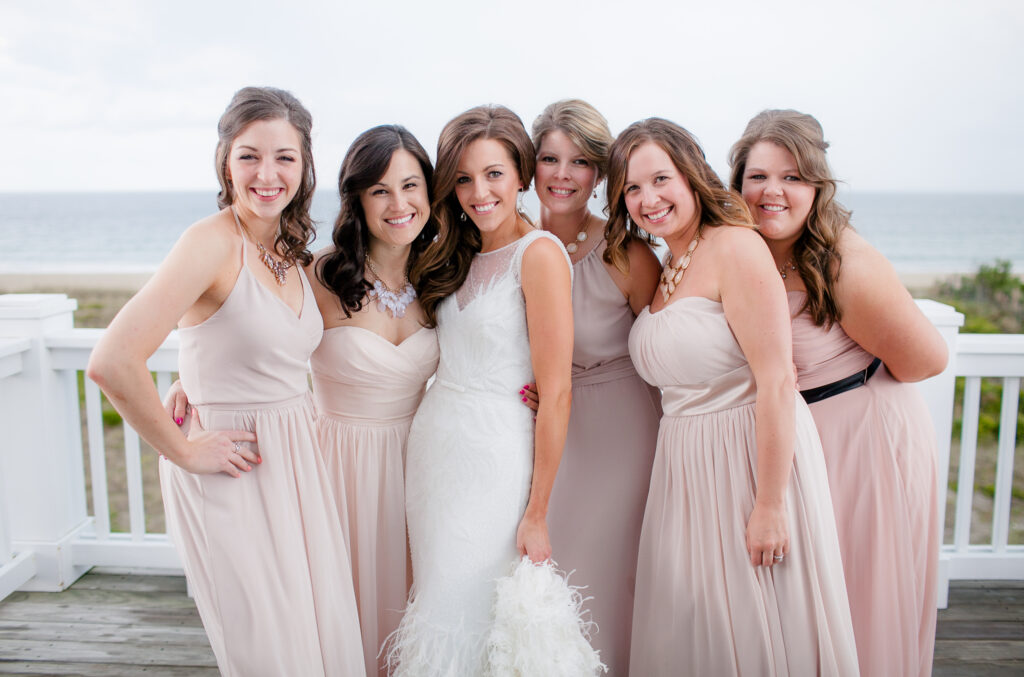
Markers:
880,454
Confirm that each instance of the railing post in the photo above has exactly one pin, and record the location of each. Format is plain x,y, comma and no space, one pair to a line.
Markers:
939,393
43,482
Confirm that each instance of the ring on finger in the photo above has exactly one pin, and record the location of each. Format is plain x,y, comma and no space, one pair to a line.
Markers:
778,558
238,448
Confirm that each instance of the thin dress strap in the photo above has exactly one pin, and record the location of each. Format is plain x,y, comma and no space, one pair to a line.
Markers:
241,233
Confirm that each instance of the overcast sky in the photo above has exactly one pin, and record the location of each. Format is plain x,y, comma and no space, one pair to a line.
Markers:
913,95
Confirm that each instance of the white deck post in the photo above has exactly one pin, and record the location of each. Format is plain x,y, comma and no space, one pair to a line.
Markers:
43,483
938,392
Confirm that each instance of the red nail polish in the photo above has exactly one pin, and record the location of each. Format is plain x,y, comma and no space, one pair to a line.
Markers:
524,399
522,392
526,387
259,459
179,420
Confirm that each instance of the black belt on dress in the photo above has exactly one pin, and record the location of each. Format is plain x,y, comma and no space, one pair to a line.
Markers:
812,395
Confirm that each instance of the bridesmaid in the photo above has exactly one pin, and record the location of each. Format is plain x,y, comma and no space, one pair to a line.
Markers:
371,368
257,531
613,427
856,335
739,570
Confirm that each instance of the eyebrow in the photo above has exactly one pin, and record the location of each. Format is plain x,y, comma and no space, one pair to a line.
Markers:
279,150
656,172
408,178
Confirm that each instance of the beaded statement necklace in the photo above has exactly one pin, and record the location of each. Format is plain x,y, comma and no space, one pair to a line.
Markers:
278,268
672,273
394,301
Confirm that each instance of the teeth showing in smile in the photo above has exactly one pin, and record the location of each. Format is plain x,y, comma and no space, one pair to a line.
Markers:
485,208
399,221
657,215
773,208
562,192
267,192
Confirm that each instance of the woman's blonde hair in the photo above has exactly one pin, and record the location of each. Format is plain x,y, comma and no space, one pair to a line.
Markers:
584,126
816,252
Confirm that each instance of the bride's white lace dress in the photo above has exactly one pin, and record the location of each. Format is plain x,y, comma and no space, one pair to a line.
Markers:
469,467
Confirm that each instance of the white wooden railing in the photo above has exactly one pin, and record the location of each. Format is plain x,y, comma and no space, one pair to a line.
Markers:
49,536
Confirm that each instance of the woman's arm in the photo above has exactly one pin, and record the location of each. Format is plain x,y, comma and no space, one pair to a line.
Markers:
881,316
644,270
547,288
199,262
754,300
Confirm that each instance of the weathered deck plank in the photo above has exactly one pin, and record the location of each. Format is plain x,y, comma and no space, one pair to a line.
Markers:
114,625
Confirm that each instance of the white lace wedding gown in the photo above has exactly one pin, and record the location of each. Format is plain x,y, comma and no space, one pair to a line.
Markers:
468,472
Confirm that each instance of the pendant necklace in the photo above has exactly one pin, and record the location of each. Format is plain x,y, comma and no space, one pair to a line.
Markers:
391,300
672,273
787,267
581,236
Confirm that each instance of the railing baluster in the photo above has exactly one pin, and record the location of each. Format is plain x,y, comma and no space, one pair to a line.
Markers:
133,467
163,383
97,460
1004,464
968,452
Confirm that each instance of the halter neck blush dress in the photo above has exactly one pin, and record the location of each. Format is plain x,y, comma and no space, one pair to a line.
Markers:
597,503
701,607
264,553
367,390
880,453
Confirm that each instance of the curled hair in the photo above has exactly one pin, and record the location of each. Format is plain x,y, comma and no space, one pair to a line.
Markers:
252,104
716,205
585,127
367,160
443,267
816,252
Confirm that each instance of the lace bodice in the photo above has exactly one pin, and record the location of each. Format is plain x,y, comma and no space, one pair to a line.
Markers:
482,327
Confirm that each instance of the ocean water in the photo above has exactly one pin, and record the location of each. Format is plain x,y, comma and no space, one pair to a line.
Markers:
81,232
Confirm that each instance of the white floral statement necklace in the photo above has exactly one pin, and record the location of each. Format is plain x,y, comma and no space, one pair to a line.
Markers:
388,299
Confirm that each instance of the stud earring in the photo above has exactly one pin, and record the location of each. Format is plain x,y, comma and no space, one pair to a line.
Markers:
595,193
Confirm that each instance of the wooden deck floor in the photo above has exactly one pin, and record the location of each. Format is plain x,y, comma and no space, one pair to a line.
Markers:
113,625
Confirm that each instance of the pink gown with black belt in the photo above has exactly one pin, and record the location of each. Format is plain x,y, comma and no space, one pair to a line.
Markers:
880,454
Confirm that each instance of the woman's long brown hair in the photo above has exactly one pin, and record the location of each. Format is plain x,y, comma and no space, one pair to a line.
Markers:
443,266
816,252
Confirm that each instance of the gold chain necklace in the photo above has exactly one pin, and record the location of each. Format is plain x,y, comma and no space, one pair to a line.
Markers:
672,273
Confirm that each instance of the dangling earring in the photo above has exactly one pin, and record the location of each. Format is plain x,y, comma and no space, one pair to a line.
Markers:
519,201
595,193
462,217
629,224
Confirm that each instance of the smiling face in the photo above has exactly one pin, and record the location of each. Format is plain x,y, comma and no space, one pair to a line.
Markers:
265,169
486,185
564,177
777,195
658,196
397,207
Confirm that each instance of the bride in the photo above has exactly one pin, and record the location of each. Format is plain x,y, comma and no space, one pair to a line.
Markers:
479,470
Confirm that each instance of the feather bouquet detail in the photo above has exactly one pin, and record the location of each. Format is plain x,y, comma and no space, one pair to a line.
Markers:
539,627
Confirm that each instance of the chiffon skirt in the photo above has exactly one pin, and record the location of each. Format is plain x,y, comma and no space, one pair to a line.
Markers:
264,553
365,462
701,607
880,453
597,504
